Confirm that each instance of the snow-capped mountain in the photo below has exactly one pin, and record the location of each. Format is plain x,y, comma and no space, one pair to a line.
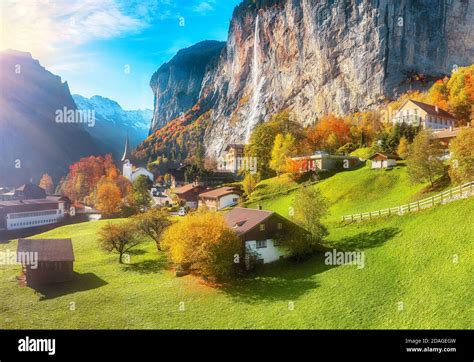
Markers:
113,124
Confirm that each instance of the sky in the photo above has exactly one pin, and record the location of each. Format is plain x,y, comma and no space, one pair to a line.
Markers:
110,47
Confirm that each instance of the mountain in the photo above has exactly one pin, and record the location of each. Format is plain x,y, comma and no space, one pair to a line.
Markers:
33,141
318,57
177,84
113,124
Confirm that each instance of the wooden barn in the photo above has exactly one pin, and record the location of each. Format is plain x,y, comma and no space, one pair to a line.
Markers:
46,261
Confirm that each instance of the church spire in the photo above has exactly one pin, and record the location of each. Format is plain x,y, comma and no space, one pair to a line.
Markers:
126,153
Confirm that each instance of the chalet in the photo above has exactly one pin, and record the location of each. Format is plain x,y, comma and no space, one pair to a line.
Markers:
233,154
424,115
259,231
383,160
188,195
21,214
54,260
219,198
323,161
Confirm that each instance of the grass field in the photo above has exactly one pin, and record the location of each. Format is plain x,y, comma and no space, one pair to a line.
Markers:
409,260
351,192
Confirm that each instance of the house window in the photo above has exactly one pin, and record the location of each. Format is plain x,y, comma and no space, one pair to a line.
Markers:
261,244
279,226
262,227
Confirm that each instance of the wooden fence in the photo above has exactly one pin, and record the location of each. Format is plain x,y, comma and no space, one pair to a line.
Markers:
455,193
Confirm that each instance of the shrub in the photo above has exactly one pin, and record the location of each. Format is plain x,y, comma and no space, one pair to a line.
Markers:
203,241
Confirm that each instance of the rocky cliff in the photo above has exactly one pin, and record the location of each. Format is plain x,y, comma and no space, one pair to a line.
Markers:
315,57
177,84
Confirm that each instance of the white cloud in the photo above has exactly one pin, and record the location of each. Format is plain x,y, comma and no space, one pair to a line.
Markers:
44,27
204,7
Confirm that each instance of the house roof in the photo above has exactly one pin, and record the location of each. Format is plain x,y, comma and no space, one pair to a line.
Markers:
243,220
48,201
217,193
47,249
186,188
234,145
431,109
385,155
447,133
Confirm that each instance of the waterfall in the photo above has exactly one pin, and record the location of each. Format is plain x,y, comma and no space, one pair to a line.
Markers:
257,82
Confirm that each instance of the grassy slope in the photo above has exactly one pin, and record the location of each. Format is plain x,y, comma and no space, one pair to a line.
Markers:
408,259
355,191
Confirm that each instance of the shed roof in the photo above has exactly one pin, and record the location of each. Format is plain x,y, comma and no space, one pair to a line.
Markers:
48,249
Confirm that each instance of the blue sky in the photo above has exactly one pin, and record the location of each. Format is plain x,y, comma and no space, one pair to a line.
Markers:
111,47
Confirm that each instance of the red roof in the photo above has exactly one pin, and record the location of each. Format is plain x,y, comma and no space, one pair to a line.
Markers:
384,156
446,133
431,109
217,193
186,188
243,220
47,249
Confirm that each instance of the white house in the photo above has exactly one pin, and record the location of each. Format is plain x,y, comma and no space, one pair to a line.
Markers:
383,160
424,115
220,198
259,231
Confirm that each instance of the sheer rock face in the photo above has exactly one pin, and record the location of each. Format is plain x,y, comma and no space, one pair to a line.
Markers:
177,84
316,57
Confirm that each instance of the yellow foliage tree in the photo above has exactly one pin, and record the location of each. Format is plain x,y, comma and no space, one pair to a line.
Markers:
461,167
46,183
403,148
109,198
203,242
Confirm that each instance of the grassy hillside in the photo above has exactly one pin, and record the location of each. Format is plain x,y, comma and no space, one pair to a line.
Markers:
353,191
408,259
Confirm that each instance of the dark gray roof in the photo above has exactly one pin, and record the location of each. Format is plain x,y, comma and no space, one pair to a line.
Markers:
48,249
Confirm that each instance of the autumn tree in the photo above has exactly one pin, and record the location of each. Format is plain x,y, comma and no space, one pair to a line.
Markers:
462,157
84,175
403,149
153,223
109,198
310,208
250,181
205,242
263,136
283,147
119,238
47,184
425,160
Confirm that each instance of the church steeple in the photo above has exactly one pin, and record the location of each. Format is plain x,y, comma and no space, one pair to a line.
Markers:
127,155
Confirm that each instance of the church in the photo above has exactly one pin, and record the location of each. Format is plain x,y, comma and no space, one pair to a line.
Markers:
129,171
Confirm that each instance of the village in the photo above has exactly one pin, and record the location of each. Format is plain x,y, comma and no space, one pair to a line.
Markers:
182,194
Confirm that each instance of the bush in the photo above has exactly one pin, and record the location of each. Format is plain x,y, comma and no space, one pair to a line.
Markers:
204,242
